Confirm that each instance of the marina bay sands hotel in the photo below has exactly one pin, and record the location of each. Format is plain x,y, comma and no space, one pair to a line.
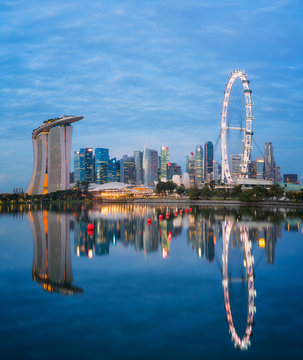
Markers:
52,148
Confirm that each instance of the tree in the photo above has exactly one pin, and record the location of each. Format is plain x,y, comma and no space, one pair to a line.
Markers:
236,191
181,189
194,193
276,191
205,192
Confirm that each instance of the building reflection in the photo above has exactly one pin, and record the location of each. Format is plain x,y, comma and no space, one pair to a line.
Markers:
52,266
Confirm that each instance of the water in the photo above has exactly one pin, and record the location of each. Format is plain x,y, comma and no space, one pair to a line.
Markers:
134,290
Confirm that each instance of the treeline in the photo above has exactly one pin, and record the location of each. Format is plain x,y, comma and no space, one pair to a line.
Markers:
80,192
211,191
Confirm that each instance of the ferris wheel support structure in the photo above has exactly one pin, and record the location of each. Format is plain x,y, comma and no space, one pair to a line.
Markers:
247,130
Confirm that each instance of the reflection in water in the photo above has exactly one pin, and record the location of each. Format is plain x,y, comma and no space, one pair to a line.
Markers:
127,224
52,266
248,264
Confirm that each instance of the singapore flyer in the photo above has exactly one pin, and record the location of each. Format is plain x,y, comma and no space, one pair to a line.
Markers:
236,109
244,342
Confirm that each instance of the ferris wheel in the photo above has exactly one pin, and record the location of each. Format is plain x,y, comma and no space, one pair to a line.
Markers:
236,117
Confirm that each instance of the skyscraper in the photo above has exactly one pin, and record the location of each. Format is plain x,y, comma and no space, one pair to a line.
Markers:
163,162
190,168
101,163
52,146
86,165
112,170
235,165
150,167
128,170
76,165
208,160
260,168
138,155
269,163
199,173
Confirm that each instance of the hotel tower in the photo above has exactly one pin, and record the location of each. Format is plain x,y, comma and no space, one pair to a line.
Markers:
52,146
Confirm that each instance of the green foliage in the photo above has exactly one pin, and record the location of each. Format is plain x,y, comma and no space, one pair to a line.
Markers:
180,190
206,192
167,187
276,191
194,193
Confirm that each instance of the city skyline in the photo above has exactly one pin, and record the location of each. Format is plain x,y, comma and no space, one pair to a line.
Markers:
147,75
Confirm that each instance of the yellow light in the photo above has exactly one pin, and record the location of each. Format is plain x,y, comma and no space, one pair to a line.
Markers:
261,243
90,253
78,251
164,253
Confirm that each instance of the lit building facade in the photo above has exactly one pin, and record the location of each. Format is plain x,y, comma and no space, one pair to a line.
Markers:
150,167
235,165
76,166
164,160
138,155
101,165
112,170
208,160
86,165
190,169
269,163
260,168
199,171
52,148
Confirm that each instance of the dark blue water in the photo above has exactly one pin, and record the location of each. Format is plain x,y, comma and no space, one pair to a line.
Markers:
136,291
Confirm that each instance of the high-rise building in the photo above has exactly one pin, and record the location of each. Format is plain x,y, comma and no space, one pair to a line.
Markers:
138,155
172,169
76,166
235,165
52,146
208,161
290,178
217,170
128,170
260,168
164,159
190,168
86,165
269,163
150,167
199,173
101,164
118,166
112,170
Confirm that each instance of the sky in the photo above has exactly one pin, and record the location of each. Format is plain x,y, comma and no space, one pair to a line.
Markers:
147,73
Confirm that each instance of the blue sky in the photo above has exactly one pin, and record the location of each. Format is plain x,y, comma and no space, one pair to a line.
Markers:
147,73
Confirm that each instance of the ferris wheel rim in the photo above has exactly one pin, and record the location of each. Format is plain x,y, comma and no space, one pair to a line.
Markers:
247,141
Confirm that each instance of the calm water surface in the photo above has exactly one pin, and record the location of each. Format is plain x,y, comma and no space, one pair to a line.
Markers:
202,283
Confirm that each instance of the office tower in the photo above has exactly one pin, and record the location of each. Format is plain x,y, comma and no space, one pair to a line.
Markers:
118,165
199,173
52,146
217,170
76,165
190,168
179,170
164,159
150,167
172,169
112,170
86,165
260,168
278,176
208,161
128,170
138,155
235,165
101,163
269,163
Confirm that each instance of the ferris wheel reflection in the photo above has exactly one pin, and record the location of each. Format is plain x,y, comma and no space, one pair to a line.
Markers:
248,261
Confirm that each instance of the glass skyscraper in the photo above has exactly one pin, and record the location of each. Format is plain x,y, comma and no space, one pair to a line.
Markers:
208,160
138,155
101,164
76,166
199,173
86,165
150,167
164,159
112,170
269,163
